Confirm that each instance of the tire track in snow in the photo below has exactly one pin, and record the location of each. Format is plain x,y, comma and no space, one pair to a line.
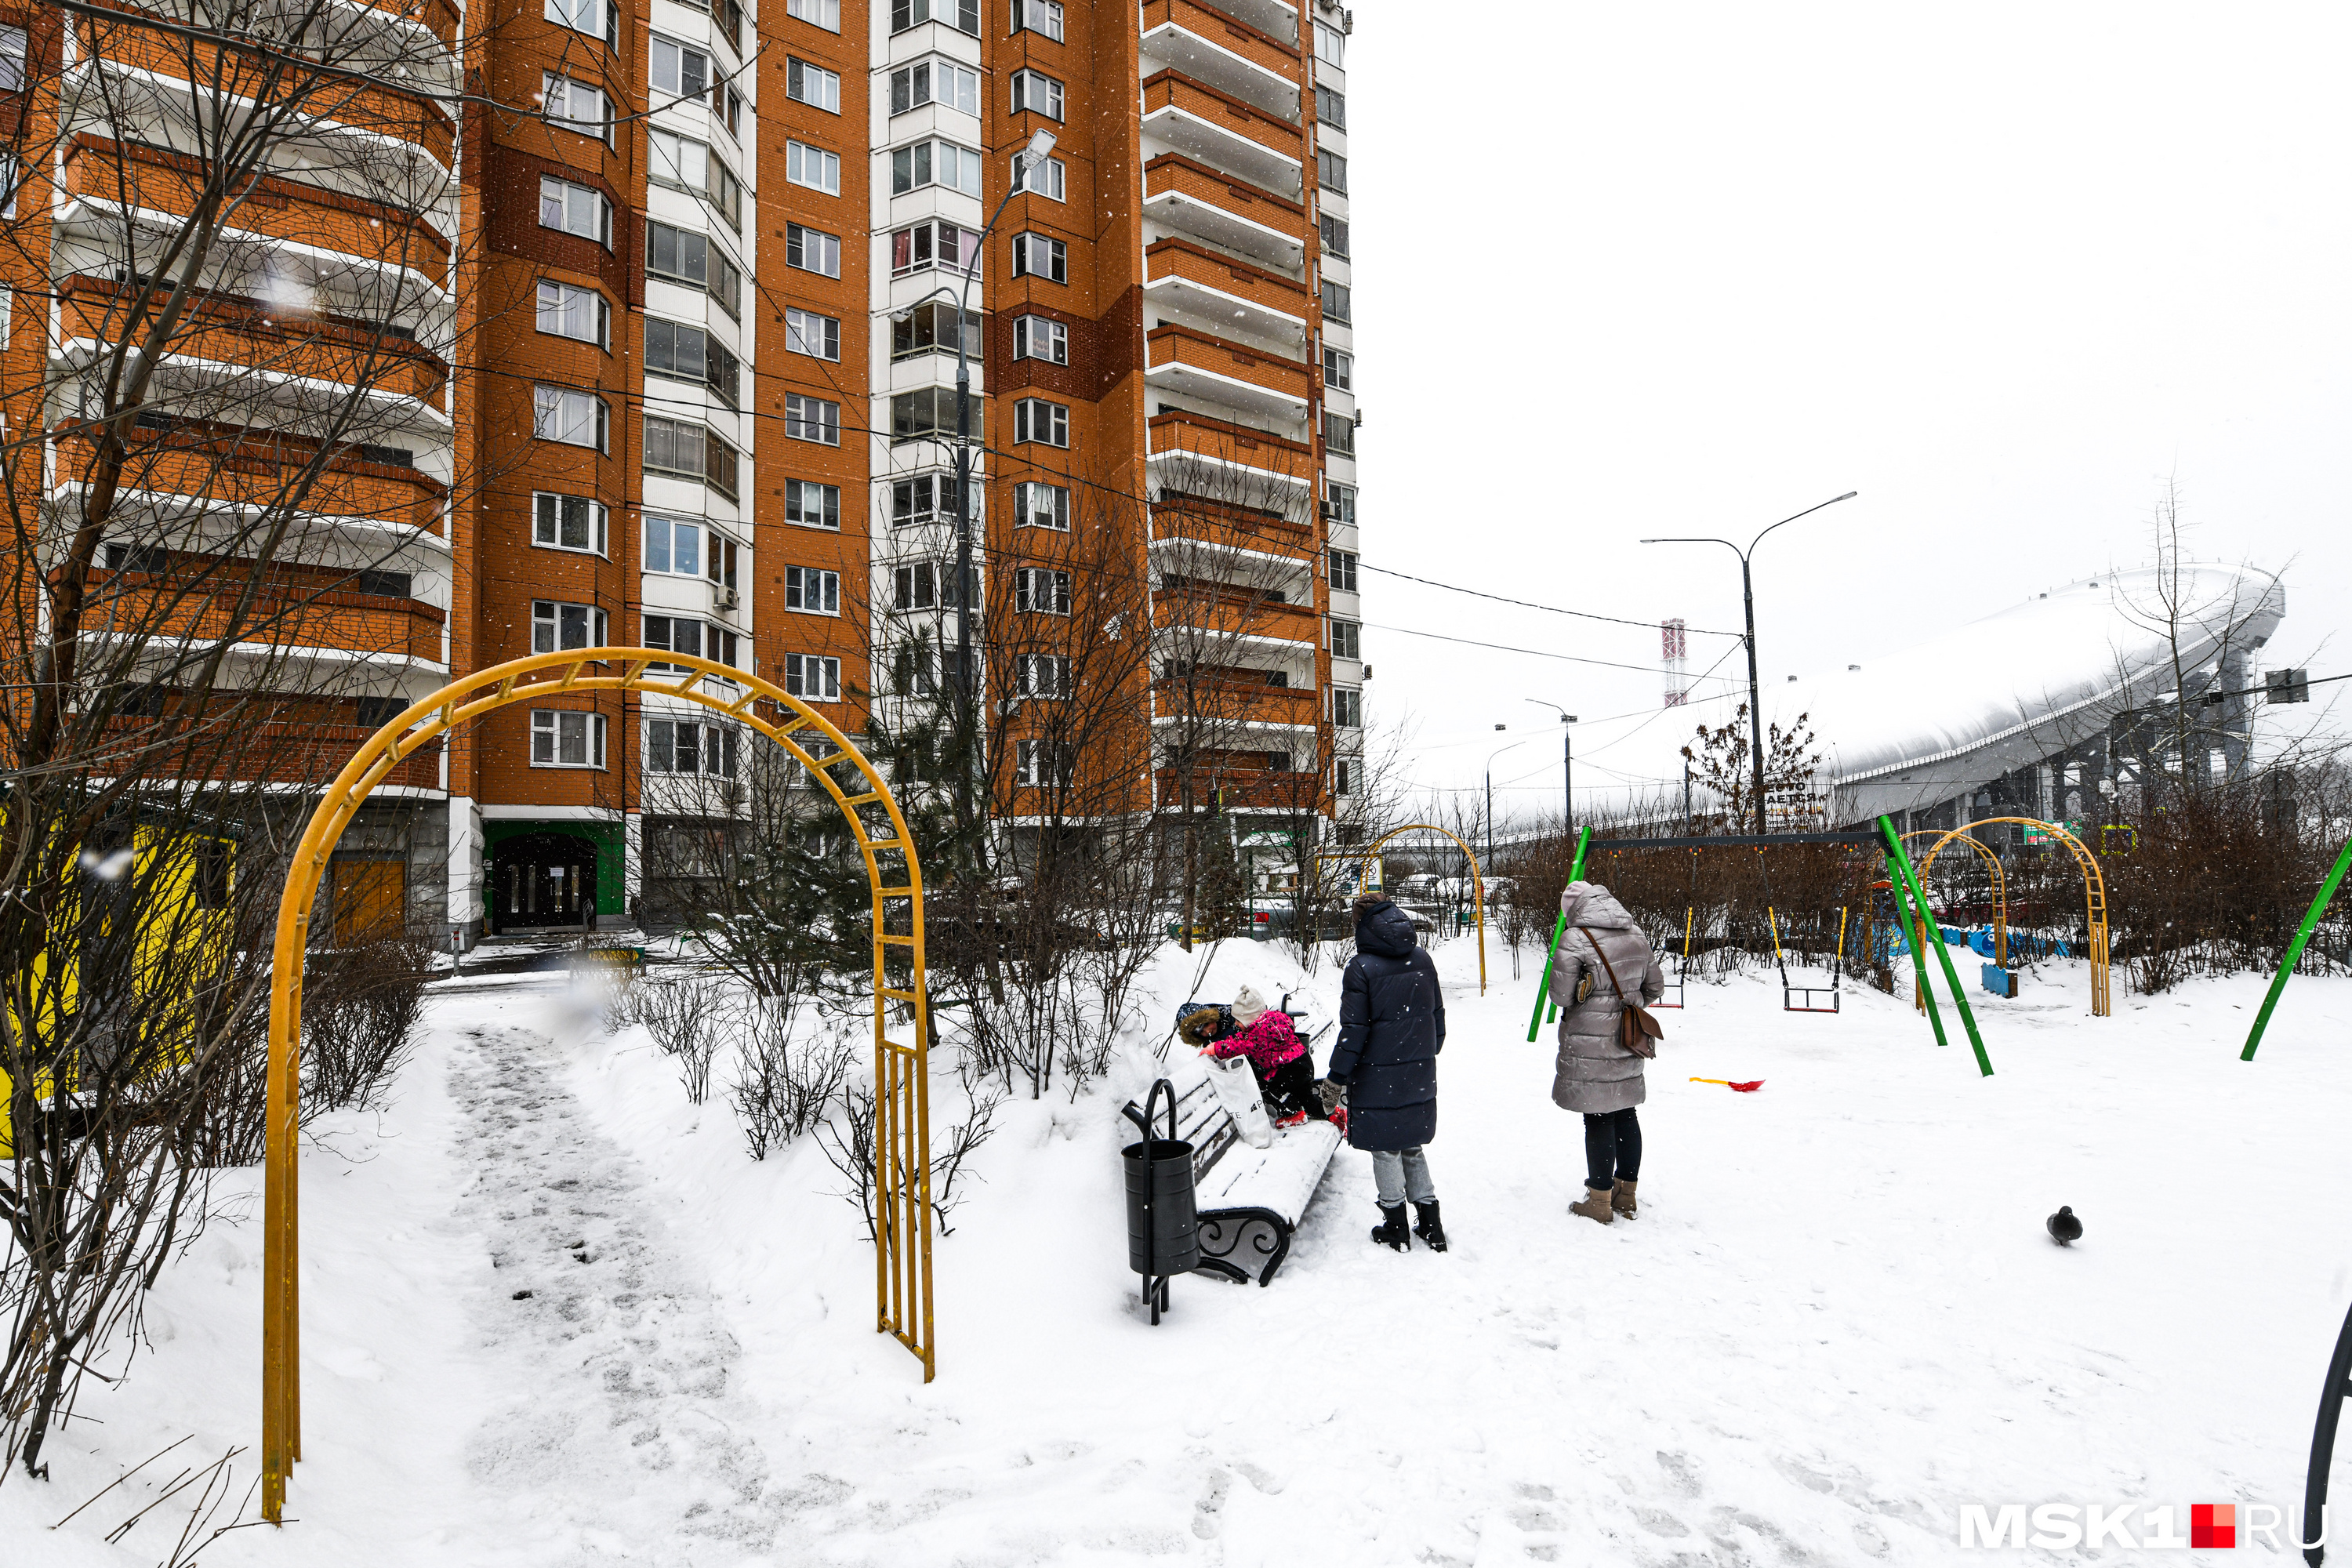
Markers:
630,1447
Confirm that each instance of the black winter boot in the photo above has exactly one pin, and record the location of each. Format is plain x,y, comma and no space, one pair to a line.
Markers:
1390,1231
1426,1226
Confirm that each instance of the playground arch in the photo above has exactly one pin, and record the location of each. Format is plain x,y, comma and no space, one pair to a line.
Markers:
2000,888
2094,891
902,1100
1477,879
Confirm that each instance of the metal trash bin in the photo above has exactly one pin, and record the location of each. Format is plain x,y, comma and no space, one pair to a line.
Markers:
1163,1226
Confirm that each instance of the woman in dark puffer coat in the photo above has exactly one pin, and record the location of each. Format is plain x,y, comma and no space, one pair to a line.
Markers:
1596,1075
1391,1026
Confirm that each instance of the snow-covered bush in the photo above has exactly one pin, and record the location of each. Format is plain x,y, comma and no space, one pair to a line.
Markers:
788,1076
683,1016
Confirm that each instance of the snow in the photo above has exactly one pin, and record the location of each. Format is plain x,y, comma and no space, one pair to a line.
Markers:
1837,1321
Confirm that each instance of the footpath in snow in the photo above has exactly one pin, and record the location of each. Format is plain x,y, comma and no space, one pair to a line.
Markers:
554,1315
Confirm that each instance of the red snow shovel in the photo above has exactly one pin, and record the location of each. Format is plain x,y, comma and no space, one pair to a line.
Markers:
1748,1087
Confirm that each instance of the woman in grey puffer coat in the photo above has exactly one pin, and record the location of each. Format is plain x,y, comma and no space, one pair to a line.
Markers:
1596,1075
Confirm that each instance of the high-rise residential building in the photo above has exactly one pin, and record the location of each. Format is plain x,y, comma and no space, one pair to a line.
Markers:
649,312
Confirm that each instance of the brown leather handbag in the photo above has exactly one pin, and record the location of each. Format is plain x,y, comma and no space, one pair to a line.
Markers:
1637,1029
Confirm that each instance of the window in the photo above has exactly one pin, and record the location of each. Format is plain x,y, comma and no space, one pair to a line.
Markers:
675,634
812,419
1347,638
385,585
812,85
1034,419
576,106
688,165
1339,434
562,739
963,15
1343,571
556,627
933,326
1331,106
1331,171
910,674
811,505
935,162
813,167
1045,674
1347,707
577,418
812,250
597,18
1034,337
806,332
575,209
681,70
943,82
568,311
915,587
929,413
685,353
947,245
812,591
13,41
826,14
1338,370
813,678
926,497
724,557
1041,591
1038,17
1043,764
1343,777
568,522
1341,509
11,179
1335,302
1331,45
1036,92
1040,505
682,256
1334,236
1035,256
686,451
1050,179
673,546
684,746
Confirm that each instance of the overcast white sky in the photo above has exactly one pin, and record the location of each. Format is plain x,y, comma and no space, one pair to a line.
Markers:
1625,270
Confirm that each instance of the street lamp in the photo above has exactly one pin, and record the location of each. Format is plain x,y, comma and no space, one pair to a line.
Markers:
1567,767
1490,794
1747,592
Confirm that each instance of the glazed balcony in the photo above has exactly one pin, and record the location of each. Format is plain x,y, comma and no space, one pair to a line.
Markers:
1216,526
283,614
237,333
253,473
1223,131
329,230
1256,383
1227,54
1200,453
1183,193
1275,19
1183,275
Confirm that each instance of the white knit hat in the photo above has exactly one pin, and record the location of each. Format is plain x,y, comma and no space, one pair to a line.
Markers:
1248,1006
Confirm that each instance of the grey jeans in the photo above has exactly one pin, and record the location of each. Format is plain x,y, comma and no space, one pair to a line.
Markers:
1400,1174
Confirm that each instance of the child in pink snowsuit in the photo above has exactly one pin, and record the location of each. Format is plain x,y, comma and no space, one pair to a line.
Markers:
1285,1073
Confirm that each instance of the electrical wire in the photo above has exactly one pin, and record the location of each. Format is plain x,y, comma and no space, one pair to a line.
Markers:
1531,605
1506,647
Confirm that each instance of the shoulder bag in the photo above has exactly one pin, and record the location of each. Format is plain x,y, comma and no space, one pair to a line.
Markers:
1637,1029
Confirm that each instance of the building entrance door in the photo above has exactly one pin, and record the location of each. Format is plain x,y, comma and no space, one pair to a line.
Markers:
540,881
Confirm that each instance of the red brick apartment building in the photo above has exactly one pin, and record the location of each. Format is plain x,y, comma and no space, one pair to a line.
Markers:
655,304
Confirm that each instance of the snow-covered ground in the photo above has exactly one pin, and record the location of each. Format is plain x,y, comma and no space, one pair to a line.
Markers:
1837,1321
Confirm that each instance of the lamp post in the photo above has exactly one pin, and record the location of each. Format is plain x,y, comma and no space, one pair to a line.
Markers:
1748,593
1567,767
1490,794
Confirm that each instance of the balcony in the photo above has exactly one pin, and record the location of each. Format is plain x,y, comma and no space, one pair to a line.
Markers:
238,332
1182,193
1213,525
273,752
283,614
330,233
1274,17
1237,614
1204,455
1223,131
1237,788
1228,55
226,471
1182,275
1233,701
1199,365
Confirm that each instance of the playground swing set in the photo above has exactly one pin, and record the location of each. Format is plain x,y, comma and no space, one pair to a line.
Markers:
1807,998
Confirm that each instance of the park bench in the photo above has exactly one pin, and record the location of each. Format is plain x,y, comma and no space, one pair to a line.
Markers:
1250,1200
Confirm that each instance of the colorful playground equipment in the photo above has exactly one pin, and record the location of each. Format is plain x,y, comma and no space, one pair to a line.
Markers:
2094,896
1805,998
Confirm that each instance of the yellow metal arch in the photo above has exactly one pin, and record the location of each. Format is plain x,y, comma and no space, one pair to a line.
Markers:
2094,894
902,1100
1477,880
1999,887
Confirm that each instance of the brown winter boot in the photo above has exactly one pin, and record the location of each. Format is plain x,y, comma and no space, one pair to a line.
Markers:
1595,1205
1621,1199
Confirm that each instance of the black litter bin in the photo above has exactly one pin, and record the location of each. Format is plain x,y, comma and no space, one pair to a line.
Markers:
1163,1227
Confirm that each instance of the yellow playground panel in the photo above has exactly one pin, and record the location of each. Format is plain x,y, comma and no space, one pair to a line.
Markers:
902,1101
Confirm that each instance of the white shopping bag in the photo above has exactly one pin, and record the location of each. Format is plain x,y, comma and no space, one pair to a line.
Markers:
1236,1089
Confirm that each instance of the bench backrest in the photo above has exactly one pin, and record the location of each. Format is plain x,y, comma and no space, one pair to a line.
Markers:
1203,1122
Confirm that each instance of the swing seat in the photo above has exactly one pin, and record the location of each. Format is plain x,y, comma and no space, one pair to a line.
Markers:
1797,998
1672,995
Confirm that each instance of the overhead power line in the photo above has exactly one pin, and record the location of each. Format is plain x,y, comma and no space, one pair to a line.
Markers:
1529,604
1506,647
